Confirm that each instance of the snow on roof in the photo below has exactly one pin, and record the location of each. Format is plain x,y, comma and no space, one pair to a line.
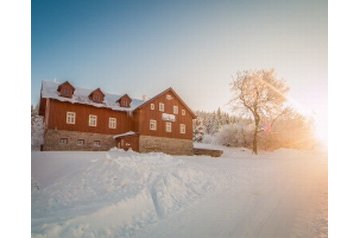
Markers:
49,90
128,133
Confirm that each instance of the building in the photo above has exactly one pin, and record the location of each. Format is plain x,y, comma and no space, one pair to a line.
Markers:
82,119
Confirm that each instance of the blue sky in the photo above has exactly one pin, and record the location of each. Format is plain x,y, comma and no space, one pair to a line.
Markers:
143,47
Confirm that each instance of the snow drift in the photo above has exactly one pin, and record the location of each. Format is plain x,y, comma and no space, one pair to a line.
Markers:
101,194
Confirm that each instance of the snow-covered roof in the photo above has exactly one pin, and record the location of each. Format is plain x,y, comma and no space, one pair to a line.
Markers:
49,90
128,133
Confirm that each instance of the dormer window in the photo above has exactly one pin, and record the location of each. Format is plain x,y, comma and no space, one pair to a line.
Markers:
124,101
66,90
97,96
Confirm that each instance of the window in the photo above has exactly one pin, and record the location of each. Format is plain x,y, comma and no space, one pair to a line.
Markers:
125,103
152,106
169,97
97,143
66,92
92,120
63,141
70,117
80,142
182,128
153,125
175,109
96,97
168,127
161,107
183,112
112,123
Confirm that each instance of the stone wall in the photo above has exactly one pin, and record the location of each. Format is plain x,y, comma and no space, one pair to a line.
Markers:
210,152
167,145
53,137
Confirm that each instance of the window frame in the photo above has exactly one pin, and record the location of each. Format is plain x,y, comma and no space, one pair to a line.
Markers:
97,143
89,120
167,123
152,122
161,107
80,143
63,141
66,92
182,128
175,109
112,123
96,97
183,112
125,103
152,106
68,117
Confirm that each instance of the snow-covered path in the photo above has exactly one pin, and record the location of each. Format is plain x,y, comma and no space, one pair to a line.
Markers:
125,194
283,200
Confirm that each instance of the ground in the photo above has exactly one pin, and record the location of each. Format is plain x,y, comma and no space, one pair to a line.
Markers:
126,194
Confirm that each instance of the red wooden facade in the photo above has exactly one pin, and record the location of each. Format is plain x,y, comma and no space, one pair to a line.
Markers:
169,98
57,111
173,118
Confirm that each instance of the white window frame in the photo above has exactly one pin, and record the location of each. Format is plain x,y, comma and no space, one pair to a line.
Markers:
161,107
92,120
183,112
182,128
175,109
152,125
70,118
168,126
152,106
112,123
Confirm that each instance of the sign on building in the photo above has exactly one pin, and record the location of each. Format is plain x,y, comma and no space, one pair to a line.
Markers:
168,117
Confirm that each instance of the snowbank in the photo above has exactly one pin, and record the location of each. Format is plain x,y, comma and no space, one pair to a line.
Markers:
101,194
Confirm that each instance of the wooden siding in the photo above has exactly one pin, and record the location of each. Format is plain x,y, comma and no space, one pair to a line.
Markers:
57,118
143,115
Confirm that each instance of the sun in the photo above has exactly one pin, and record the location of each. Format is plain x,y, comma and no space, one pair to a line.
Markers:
321,132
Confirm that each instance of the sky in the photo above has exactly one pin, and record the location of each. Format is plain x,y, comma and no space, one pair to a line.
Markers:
196,47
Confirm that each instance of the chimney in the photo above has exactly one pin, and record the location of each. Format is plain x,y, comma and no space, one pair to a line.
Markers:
144,97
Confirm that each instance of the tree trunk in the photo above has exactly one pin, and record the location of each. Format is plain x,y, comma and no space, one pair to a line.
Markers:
254,142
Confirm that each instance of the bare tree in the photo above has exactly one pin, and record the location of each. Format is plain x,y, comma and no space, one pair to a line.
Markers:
291,130
261,95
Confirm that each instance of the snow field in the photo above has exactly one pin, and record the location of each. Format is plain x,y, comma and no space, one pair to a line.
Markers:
127,194
110,194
